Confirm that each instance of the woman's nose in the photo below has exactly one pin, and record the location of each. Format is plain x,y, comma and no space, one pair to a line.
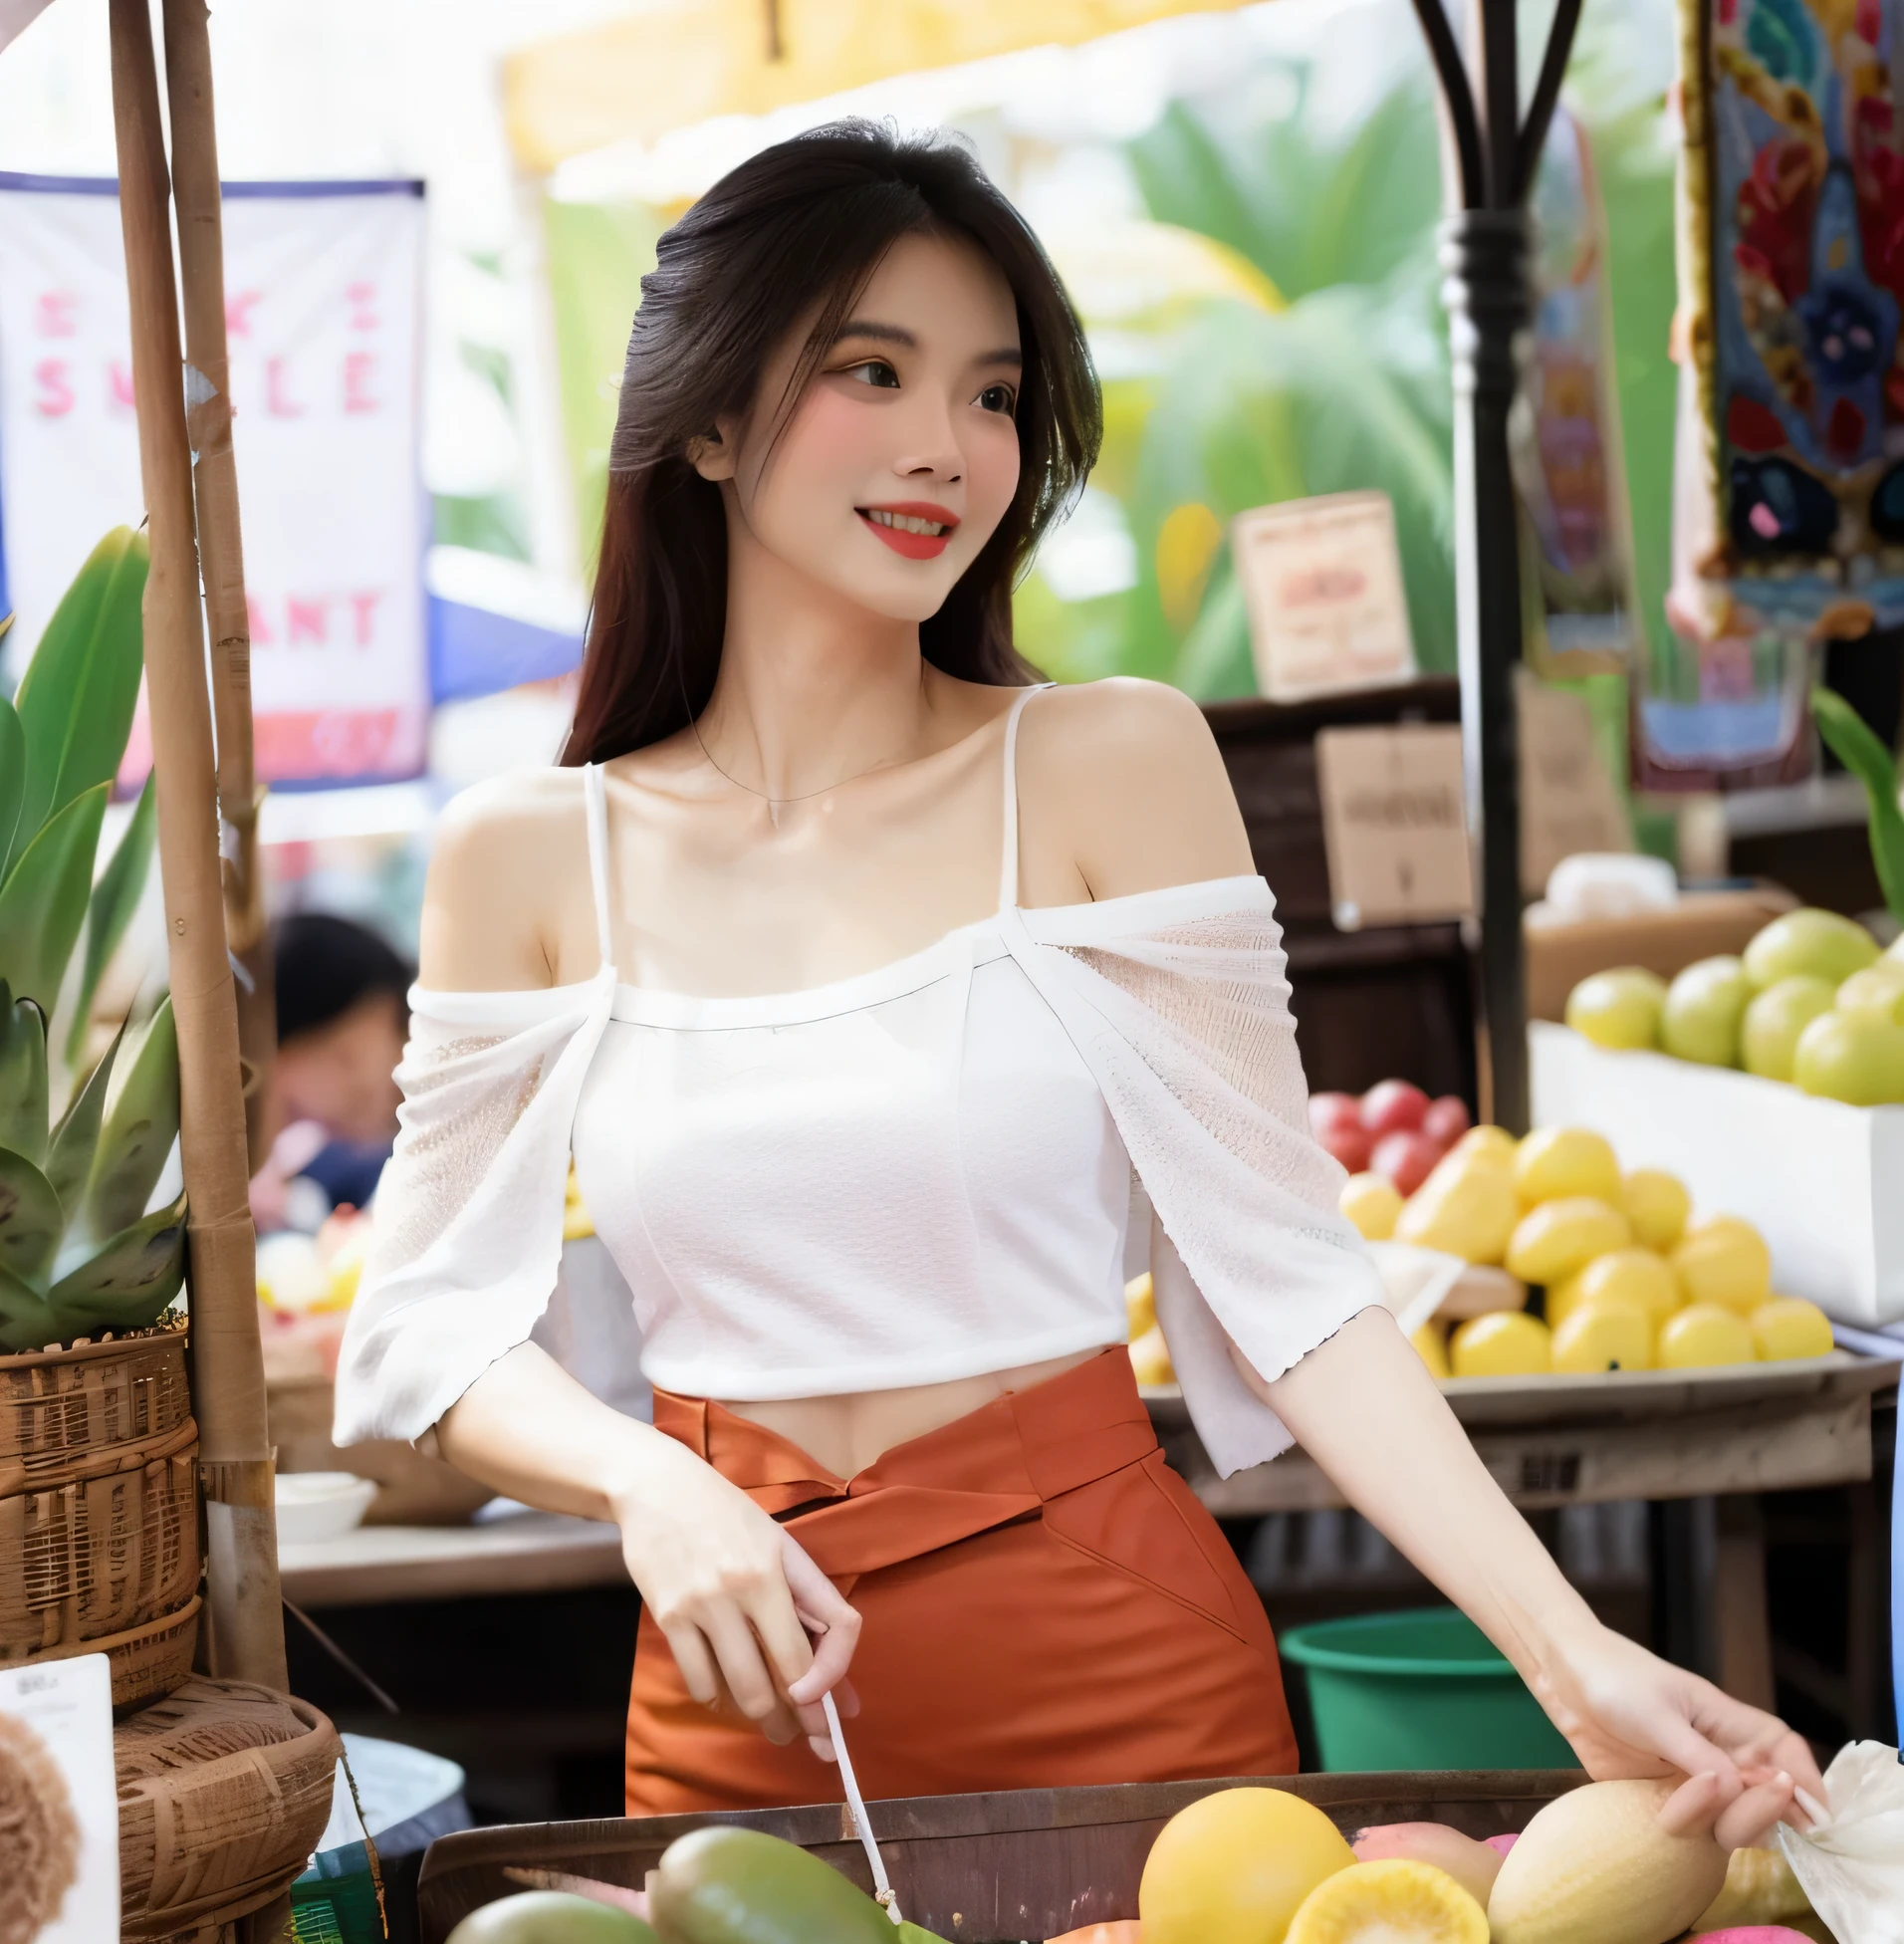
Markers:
931,448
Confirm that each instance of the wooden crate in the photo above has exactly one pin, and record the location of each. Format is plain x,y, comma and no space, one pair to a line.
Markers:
1019,1865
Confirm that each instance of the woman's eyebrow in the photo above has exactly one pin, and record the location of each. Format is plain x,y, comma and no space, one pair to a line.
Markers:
896,334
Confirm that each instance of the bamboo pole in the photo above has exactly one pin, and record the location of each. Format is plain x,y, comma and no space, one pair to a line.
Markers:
246,1622
221,547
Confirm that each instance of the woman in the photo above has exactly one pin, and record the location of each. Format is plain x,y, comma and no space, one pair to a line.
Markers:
860,973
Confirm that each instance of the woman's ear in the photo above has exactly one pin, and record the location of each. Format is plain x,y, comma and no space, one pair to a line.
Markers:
712,455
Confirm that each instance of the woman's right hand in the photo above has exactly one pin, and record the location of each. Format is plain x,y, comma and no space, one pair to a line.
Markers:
747,1613
733,1593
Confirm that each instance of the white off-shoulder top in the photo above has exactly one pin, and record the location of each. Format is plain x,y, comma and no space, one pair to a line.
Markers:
915,1174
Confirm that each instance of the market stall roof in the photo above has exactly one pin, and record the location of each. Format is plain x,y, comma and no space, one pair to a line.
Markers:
670,63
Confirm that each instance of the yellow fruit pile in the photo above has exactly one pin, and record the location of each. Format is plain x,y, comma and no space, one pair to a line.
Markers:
1629,1285
1811,1001
1594,1866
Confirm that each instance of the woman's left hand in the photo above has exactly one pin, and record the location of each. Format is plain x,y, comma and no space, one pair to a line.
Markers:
1629,1713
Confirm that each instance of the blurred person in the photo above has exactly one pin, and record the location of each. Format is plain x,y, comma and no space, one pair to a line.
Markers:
343,1016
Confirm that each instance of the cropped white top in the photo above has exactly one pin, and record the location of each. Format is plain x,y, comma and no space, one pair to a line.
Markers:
915,1174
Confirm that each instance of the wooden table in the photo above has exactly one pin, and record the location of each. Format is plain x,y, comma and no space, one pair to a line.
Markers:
1660,1435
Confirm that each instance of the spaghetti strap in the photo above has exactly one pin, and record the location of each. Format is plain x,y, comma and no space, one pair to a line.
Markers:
1008,866
597,800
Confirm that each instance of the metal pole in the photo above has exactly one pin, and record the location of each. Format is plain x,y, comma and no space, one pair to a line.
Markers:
221,549
246,1623
1485,251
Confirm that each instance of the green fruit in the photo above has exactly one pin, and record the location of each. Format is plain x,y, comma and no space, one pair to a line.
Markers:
1877,989
1776,1017
741,1887
1854,1056
1703,1008
1618,1010
1818,943
551,1917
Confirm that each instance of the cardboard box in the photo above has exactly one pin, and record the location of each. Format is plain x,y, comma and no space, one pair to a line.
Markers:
1702,924
1819,1179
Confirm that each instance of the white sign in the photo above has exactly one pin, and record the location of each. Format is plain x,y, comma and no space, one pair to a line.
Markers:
1321,580
59,1803
322,314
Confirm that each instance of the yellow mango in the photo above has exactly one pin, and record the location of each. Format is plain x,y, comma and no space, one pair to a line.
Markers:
1431,1345
1760,1888
1150,1358
1557,1162
1373,1204
1704,1335
1724,1259
1556,1238
1789,1326
1657,1205
1141,1306
1236,1867
1636,1275
1470,1214
1508,1343
1595,1867
1603,1334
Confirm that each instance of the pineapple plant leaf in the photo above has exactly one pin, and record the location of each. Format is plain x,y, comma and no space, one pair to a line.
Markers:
1850,740
43,902
109,911
77,697
80,1249
141,1124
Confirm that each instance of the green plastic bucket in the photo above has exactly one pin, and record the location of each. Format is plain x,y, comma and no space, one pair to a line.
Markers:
1419,1691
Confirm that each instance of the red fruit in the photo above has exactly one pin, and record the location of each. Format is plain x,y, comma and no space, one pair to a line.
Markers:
1393,1106
1447,1120
1405,1158
1502,1845
1350,1146
1326,1111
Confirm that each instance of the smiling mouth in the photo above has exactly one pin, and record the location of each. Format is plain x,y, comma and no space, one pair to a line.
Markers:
916,535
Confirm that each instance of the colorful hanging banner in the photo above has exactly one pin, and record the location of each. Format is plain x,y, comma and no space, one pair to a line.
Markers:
322,303
1793,272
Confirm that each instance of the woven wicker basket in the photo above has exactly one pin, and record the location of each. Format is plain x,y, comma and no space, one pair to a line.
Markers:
223,1790
66,1414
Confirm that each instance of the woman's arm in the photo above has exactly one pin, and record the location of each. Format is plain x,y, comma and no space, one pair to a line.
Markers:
1364,1407
1125,789
733,1593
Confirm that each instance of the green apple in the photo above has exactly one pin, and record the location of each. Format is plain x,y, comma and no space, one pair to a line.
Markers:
1703,1010
1618,1010
1877,989
1854,1056
1817,943
1776,1017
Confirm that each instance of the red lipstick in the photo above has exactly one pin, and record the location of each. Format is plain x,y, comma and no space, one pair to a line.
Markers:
914,546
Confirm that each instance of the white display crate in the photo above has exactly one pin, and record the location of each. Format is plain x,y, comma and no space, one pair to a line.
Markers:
1822,1181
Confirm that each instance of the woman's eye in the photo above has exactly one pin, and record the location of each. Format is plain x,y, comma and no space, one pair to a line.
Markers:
999,398
875,370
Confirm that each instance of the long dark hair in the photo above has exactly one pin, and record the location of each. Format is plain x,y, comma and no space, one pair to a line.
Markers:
803,223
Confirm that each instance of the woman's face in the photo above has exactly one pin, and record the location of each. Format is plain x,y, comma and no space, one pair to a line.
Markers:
901,457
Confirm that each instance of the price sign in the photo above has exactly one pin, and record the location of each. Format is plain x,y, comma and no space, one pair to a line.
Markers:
1393,824
1321,579
59,1804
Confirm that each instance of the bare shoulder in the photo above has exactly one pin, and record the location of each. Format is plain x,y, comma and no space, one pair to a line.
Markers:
1127,773
508,855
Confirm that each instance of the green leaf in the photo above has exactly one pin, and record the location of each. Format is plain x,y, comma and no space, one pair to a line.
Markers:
130,1281
1854,744
76,1140
13,777
23,1096
30,1218
27,1321
141,1126
115,899
43,904
77,698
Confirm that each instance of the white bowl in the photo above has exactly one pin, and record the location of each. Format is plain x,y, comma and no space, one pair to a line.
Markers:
320,1505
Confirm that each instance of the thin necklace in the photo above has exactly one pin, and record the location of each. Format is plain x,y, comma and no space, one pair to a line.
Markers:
775,804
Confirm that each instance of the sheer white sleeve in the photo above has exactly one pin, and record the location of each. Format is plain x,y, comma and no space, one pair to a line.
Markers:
1178,1002
467,1242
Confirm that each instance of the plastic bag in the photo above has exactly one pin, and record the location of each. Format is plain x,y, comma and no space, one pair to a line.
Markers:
1852,1863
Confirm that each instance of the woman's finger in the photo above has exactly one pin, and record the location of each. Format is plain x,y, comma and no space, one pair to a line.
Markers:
1744,1824
1696,1805
741,1664
694,1659
835,1624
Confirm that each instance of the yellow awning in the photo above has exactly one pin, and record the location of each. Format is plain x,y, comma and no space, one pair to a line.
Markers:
676,62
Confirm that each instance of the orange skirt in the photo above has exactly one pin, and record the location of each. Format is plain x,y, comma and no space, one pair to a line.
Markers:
1045,1604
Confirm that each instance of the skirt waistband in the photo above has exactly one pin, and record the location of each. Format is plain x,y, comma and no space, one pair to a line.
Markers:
1001,1462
